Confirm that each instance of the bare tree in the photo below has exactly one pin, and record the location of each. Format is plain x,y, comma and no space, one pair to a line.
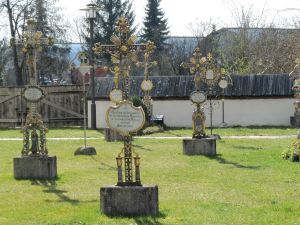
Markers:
180,50
17,11
255,46
3,50
48,22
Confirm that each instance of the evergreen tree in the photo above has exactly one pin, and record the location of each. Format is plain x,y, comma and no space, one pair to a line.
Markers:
53,59
156,30
106,18
155,26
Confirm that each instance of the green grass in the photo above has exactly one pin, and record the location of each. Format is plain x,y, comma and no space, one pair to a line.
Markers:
77,132
71,132
234,131
246,183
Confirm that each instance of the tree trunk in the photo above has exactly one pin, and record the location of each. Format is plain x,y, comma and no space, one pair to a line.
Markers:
17,68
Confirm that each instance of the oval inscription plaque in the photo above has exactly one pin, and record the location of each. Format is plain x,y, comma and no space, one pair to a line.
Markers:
147,85
125,118
223,84
33,94
198,97
116,95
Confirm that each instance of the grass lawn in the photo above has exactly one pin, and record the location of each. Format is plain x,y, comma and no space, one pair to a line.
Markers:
246,183
71,132
234,131
77,132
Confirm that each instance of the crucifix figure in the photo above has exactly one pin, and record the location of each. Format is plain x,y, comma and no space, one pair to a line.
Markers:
123,51
32,43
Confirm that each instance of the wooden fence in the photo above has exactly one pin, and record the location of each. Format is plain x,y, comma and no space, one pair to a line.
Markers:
63,106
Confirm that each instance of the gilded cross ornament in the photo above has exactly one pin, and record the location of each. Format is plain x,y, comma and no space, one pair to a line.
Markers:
34,130
32,42
147,84
207,73
124,117
296,87
123,51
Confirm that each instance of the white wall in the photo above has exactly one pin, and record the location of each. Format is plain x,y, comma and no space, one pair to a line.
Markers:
242,112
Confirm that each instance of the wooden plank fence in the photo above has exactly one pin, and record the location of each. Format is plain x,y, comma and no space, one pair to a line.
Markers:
63,106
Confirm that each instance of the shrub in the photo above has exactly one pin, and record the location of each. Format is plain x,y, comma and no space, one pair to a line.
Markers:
153,129
137,101
293,152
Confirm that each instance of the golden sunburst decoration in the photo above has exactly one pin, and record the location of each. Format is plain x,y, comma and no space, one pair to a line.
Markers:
116,40
122,25
132,40
97,49
209,57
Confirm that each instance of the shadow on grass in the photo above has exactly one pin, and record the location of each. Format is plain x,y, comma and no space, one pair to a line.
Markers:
150,220
51,188
105,166
101,131
221,160
171,133
247,147
145,220
264,127
142,148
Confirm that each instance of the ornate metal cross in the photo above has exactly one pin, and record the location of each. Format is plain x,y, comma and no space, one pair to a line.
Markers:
205,71
296,87
147,84
123,52
196,67
32,43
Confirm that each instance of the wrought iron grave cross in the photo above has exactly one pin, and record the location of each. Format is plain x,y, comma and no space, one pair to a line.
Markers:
32,43
147,84
129,119
208,72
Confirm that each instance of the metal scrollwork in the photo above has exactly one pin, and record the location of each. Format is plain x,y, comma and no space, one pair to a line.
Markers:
34,131
296,87
123,51
210,75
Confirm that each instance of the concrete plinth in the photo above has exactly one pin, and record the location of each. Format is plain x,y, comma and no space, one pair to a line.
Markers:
30,167
85,151
295,121
112,135
129,200
203,146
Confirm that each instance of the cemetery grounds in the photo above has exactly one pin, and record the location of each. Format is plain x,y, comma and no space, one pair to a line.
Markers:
246,183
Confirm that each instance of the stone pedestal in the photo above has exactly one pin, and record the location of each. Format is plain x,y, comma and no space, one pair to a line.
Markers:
111,135
129,200
295,121
85,151
203,146
30,167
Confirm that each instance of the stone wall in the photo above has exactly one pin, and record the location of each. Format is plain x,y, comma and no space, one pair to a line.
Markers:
237,112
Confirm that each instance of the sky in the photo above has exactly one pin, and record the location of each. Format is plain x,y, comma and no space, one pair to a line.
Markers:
181,13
